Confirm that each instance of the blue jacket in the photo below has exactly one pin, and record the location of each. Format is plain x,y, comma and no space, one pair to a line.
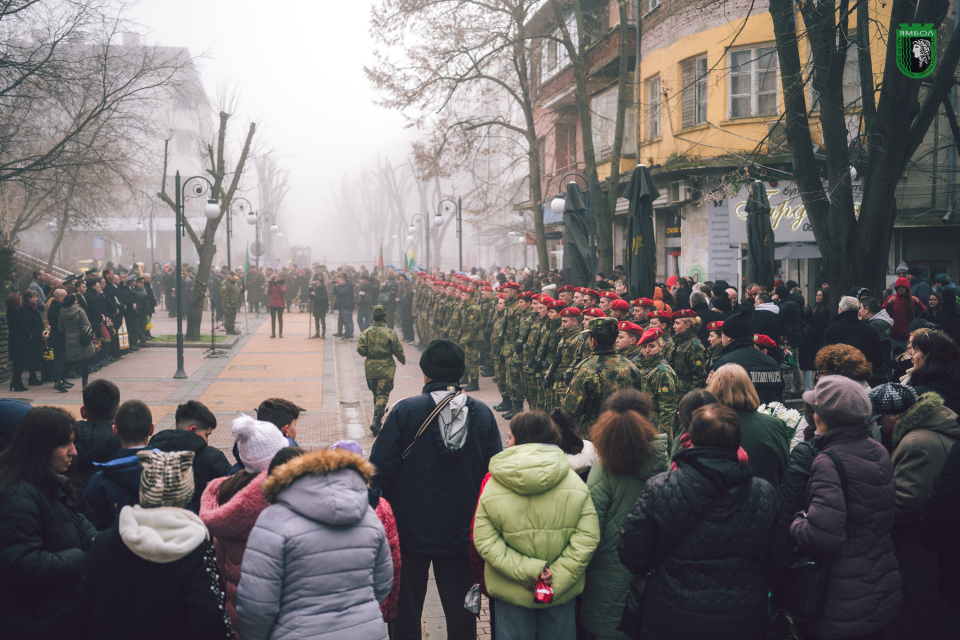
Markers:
434,491
115,486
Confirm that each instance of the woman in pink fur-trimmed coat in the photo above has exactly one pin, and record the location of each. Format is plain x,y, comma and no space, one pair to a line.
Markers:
230,525
389,606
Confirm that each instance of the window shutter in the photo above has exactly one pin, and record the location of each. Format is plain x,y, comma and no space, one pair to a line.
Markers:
688,112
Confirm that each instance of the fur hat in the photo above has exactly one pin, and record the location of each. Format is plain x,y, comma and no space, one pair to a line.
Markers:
257,442
167,478
443,360
317,463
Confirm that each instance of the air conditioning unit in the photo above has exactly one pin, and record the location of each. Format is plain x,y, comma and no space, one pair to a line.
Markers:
777,134
679,192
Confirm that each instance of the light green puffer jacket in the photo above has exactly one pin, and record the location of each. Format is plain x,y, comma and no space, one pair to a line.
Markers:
605,593
534,512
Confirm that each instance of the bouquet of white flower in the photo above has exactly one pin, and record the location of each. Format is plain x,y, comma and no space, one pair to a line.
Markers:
789,417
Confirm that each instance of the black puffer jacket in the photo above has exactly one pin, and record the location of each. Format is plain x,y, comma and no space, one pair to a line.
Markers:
847,328
793,487
715,584
948,387
706,315
43,557
208,462
95,443
791,314
764,370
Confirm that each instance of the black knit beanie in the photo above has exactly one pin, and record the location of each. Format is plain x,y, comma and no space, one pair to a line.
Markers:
442,361
737,326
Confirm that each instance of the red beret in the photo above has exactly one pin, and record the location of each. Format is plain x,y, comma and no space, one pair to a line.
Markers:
595,312
500,295
468,289
592,292
763,341
526,295
557,305
620,305
566,288
643,302
581,290
545,299
567,312
683,313
629,327
663,315
511,285
651,335
484,283
486,288
715,325
535,296
609,294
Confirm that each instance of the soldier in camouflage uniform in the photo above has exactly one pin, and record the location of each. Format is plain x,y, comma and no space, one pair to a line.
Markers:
231,299
531,349
689,359
599,376
488,308
499,362
658,380
628,340
379,344
661,320
642,307
570,329
566,293
582,351
716,339
549,341
525,318
606,299
471,334
454,325
451,309
511,332
619,310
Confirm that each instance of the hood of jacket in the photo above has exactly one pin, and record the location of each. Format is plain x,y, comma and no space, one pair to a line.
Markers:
530,469
177,440
235,518
929,413
883,316
124,469
326,486
947,386
902,282
162,534
721,467
768,306
71,313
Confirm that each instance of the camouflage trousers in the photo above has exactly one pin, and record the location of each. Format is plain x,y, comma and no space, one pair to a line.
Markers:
530,390
500,371
515,379
472,358
381,388
230,319
559,390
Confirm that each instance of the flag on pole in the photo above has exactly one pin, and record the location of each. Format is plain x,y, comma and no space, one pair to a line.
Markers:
246,263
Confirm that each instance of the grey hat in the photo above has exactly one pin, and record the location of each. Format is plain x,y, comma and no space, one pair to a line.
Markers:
840,402
131,277
902,266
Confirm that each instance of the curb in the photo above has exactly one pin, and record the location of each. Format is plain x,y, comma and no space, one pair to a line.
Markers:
226,344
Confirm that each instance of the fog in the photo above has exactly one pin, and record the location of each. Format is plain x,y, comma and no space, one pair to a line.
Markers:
298,68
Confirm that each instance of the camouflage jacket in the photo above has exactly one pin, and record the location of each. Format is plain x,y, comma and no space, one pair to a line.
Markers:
667,350
689,360
567,349
496,334
488,309
549,339
471,322
594,379
510,324
454,326
660,382
524,328
230,293
632,353
531,348
582,350
715,352
379,345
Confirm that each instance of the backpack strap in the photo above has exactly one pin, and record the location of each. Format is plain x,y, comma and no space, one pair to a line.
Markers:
841,471
430,418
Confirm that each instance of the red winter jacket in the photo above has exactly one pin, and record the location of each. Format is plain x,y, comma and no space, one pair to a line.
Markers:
230,525
277,294
389,606
896,306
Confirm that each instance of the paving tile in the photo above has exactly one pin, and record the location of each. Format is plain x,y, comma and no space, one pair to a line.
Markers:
274,365
237,395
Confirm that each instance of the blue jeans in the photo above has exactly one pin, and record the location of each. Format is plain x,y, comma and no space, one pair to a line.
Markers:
520,623
347,317
364,317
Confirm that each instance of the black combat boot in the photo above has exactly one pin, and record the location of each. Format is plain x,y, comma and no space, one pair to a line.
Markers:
517,408
504,405
375,427
487,371
473,386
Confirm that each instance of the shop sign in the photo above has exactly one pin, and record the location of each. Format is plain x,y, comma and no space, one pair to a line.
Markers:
788,216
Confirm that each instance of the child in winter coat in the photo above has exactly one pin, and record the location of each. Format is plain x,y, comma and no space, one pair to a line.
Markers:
535,521
231,505
157,552
317,563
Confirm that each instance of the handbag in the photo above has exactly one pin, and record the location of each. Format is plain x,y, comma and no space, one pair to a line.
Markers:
84,335
802,589
631,620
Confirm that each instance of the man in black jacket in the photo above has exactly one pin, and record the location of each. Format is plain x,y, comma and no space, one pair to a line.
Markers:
738,349
699,305
847,328
94,441
194,424
130,314
432,483
114,309
766,318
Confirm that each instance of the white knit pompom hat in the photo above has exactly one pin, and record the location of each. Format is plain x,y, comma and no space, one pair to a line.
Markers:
257,442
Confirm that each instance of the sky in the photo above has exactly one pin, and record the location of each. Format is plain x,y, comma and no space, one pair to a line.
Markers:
299,69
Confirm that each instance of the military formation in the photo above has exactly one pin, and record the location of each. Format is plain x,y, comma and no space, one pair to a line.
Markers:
571,351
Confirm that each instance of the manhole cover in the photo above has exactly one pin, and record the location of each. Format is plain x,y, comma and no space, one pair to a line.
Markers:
247,367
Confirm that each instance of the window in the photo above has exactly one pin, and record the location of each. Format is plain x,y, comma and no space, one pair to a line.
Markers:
554,56
694,79
851,77
653,108
650,5
753,82
604,108
565,147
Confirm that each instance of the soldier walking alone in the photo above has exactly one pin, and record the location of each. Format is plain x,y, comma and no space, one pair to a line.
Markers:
231,299
379,344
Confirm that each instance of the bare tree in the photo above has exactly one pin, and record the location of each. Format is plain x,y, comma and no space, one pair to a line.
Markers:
272,188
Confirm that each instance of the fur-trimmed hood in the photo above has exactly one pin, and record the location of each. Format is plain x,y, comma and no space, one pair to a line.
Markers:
327,486
928,413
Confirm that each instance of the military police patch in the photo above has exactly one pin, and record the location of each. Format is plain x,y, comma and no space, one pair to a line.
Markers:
916,49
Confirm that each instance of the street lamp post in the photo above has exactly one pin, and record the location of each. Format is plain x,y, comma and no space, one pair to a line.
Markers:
211,211
438,220
426,232
560,201
243,203
255,219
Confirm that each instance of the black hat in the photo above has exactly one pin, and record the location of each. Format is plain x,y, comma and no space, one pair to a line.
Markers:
737,326
443,361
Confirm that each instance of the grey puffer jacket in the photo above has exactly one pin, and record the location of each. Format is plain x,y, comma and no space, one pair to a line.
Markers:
317,563
864,592
71,319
